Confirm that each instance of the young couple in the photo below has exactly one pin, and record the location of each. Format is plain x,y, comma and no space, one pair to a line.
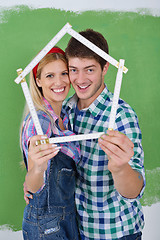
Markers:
91,189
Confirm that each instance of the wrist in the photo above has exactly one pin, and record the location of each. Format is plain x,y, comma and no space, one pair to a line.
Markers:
38,171
119,170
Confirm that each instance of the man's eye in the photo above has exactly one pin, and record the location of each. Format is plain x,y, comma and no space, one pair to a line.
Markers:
72,70
90,70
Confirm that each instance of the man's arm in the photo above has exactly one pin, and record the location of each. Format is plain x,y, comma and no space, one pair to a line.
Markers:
119,149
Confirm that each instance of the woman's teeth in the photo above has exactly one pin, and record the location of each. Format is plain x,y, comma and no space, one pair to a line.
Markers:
58,90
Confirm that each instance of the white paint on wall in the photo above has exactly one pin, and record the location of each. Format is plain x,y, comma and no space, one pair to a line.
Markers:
152,225
150,232
152,6
7,233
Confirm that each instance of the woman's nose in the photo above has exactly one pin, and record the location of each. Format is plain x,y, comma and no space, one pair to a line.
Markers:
58,81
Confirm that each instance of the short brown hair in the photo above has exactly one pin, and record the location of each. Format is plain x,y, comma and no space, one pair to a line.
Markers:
77,49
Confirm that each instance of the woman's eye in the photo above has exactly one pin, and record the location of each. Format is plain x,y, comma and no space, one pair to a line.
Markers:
49,76
65,73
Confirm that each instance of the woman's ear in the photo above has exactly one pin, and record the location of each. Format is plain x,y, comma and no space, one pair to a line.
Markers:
38,81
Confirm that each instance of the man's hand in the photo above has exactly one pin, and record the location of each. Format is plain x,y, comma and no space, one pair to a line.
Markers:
119,149
27,194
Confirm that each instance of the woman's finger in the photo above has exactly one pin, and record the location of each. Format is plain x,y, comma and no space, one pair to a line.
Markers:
47,157
33,140
40,148
42,153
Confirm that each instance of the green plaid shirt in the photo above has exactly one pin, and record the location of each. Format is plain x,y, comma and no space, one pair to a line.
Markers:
104,213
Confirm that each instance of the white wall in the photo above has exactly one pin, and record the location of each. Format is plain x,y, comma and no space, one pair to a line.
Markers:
83,5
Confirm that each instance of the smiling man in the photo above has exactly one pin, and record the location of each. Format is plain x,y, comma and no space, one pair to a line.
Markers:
87,79
111,175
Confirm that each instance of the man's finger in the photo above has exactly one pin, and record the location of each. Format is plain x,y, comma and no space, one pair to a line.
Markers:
119,139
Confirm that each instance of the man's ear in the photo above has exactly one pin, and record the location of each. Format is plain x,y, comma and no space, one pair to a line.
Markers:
38,81
105,68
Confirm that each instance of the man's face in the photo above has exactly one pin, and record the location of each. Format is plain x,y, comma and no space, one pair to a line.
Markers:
87,79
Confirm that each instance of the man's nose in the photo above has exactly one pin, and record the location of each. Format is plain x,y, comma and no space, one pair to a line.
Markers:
80,77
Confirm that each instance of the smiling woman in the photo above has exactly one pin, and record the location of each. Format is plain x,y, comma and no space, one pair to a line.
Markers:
50,172
54,83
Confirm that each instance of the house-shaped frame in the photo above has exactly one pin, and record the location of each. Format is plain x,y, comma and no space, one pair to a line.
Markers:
21,79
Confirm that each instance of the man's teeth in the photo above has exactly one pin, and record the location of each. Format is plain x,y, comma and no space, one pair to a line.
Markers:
83,86
58,90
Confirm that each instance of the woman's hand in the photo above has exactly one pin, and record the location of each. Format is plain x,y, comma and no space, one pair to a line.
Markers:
38,155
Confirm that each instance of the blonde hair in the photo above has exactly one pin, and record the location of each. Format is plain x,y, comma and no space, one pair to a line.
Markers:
36,91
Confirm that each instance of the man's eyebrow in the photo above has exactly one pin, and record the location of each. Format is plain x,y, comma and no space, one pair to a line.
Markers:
90,66
84,67
72,67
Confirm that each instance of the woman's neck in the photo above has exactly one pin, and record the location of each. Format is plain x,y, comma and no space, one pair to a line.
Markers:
57,107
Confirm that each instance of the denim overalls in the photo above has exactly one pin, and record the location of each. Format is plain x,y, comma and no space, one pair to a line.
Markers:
51,214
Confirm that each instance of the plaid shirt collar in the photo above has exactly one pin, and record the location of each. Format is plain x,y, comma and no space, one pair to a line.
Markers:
50,110
93,108
54,116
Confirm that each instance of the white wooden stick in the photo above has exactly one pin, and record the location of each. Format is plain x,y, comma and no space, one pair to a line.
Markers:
117,89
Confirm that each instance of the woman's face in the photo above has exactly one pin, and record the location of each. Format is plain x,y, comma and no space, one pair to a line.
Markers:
54,81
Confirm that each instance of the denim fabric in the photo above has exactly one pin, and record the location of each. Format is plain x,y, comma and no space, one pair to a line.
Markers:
136,236
51,214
